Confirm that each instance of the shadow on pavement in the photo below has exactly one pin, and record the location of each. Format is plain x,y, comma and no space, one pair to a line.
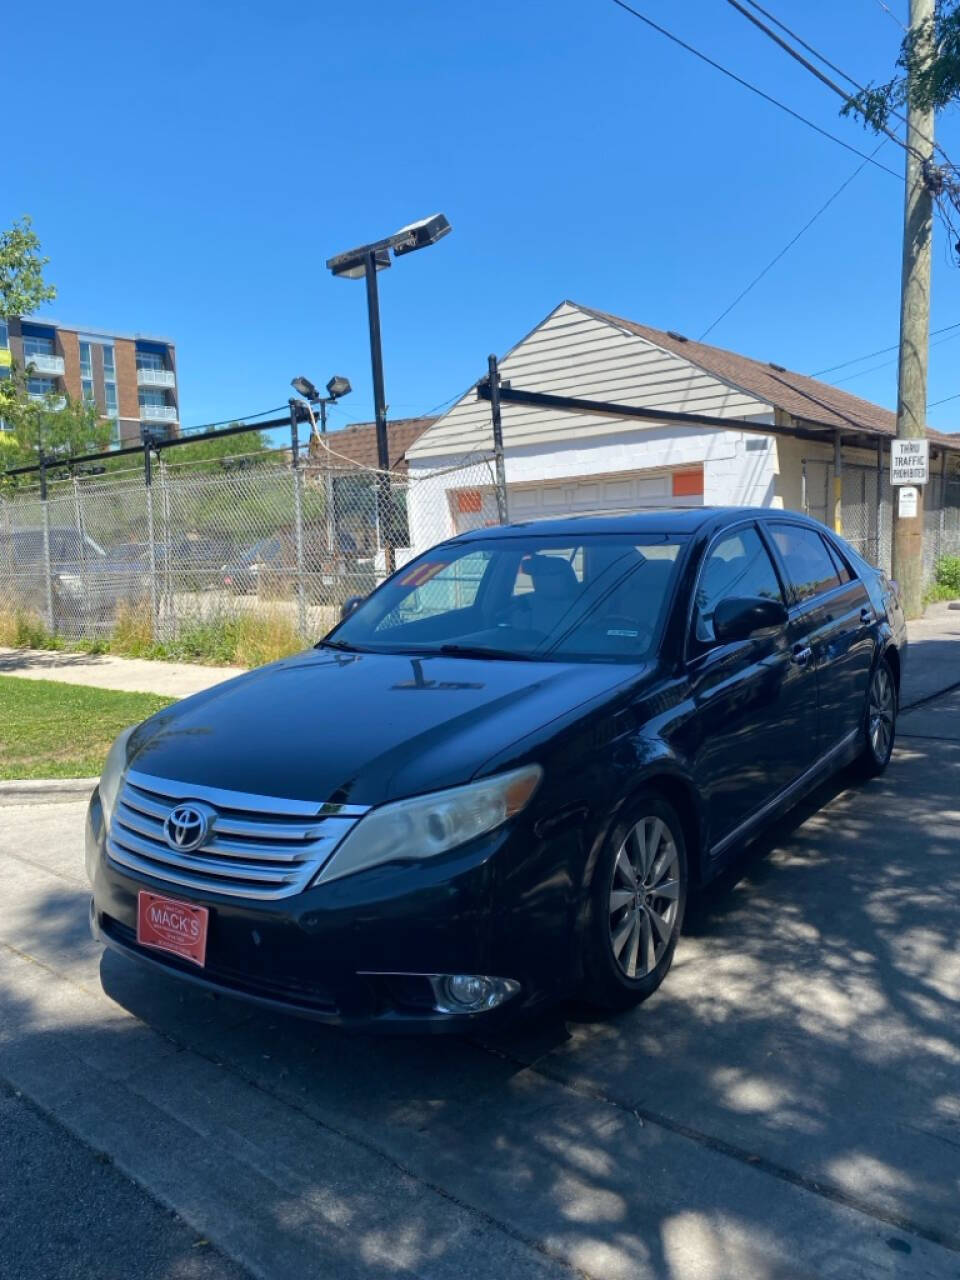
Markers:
807,1036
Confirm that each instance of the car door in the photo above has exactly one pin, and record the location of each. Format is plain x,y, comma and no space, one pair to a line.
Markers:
833,608
755,717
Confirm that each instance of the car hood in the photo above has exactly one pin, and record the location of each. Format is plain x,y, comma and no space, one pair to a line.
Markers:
362,728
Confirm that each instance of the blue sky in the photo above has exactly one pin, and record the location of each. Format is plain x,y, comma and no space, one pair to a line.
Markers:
189,167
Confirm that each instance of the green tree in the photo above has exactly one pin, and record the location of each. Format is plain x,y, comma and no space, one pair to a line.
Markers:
60,432
22,286
249,449
927,82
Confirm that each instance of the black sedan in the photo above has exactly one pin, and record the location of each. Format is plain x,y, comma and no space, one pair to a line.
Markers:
496,781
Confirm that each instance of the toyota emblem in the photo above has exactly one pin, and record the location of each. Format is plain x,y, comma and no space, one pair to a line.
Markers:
187,827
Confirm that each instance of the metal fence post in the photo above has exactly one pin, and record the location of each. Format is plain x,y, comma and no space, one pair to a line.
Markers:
493,373
298,518
47,564
151,539
84,576
167,620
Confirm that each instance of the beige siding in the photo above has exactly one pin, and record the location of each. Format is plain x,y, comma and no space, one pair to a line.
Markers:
572,353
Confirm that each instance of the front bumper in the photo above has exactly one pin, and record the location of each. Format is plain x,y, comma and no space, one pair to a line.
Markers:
354,952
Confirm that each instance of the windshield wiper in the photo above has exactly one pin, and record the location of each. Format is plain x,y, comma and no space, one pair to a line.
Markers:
482,651
336,644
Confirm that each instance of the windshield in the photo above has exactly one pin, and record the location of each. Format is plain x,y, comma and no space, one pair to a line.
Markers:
597,597
65,544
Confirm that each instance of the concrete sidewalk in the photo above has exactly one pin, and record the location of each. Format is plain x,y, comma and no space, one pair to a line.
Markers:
933,665
104,671
933,658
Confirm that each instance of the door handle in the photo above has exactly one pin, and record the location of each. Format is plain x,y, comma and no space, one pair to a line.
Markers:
866,615
802,653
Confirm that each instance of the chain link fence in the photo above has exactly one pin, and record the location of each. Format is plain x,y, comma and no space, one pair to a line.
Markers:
200,547
867,511
196,547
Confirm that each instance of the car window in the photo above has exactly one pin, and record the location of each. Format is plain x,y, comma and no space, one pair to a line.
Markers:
737,565
843,571
806,559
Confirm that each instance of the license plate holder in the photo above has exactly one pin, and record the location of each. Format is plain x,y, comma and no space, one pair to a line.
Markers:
167,924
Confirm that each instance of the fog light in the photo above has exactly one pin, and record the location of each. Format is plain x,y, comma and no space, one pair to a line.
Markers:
471,993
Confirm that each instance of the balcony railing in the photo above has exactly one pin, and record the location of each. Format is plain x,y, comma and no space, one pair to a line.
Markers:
158,413
156,378
60,402
47,365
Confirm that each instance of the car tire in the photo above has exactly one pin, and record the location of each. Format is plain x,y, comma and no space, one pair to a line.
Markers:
632,929
879,721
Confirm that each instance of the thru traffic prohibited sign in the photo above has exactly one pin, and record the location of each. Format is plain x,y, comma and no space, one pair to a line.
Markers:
909,461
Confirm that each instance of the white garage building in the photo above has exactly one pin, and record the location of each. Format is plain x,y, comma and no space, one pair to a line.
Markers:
560,463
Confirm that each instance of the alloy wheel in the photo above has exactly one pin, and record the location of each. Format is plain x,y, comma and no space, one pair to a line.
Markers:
644,897
881,714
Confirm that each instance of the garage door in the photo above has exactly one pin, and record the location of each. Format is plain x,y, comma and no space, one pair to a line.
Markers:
604,495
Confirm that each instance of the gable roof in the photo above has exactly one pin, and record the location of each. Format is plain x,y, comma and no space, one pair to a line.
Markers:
803,397
357,444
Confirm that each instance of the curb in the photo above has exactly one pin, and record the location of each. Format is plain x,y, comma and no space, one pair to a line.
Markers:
45,790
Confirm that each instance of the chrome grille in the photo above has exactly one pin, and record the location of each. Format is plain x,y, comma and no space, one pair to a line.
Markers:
257,846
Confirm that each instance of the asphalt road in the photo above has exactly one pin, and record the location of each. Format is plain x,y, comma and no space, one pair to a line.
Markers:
787,1106
66,1212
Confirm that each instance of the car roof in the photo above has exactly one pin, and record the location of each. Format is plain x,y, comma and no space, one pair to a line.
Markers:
688,520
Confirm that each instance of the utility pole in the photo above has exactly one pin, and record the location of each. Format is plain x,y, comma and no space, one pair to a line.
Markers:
915,314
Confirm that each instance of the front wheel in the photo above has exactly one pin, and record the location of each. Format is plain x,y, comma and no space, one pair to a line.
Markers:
637,901
880,723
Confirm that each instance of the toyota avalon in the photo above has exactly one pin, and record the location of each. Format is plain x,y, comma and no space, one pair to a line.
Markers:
496,781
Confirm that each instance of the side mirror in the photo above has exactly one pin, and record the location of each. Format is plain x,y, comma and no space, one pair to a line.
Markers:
350,605
739,617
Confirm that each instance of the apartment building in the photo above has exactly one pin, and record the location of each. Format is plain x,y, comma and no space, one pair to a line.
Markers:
131,378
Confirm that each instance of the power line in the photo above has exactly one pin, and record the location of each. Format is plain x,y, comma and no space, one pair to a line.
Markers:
226,422
944,400
800,41
790,243
752,87
869,355
805,62
890,14
833,67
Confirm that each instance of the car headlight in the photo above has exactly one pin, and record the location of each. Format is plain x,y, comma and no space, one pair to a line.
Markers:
114,767
425,826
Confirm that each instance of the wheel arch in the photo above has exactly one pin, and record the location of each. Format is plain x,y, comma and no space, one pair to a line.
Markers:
891,655
666,779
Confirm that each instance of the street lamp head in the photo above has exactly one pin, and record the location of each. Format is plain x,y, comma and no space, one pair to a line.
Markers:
418,235
305,388
352,265
338,387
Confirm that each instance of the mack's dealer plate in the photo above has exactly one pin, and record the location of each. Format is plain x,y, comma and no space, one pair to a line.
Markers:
168,925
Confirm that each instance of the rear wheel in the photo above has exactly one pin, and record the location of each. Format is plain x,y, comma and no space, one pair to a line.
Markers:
637,901
880,721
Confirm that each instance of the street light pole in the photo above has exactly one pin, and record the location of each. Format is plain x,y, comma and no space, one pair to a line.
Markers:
384,504
328,495
366,261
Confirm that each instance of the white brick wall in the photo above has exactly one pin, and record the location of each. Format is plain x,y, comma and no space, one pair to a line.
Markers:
734,475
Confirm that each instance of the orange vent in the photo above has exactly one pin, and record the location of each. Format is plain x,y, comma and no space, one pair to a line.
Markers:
688,484
469,501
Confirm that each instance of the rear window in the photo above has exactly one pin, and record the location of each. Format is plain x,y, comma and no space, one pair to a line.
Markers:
810,569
